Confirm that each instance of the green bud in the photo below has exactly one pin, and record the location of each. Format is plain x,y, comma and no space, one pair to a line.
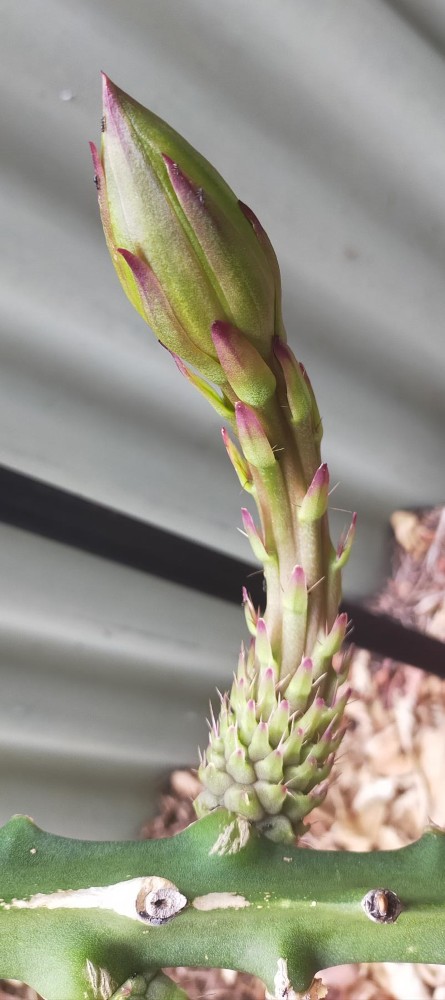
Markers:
256,543
231,741
204,803
216,781
247,723
215,758
329,644
298,395
184,250
300,775
315,502
239,694
313,718
271,767
279,721
298,690
250,612
263,649
239,463
242,799
253,438
278,829
295,597
271,796
292,746
266,698
259,745
246,371
297,805
239,767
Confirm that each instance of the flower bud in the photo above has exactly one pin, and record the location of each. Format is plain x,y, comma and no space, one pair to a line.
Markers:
185,252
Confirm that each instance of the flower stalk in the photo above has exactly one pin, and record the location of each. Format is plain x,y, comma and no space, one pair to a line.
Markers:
199,267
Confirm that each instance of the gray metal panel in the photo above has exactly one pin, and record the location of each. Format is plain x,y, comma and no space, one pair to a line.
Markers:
105,677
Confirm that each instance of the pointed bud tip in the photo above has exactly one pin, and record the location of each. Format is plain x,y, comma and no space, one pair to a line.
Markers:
179,181
252,218
280,348
298,576
321,476
110,92
135,263
95,156
320,790
220,329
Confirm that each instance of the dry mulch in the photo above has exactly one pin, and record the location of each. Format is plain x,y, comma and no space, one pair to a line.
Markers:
389,781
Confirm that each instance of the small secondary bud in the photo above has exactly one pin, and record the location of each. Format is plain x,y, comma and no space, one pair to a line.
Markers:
315,502
253,438
246,371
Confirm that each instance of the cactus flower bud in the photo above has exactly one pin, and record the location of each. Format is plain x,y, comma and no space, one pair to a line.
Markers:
198,266
186,253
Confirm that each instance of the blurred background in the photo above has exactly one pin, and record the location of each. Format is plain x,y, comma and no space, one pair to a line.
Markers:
327,119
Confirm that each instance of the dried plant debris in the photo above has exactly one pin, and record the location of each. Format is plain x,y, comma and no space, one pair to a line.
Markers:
387,785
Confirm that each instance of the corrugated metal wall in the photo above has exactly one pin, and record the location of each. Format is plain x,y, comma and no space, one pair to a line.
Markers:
327,118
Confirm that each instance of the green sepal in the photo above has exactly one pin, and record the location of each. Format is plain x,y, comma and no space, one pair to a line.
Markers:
279,722
270,768
243,800
239,768
253,438
245,370
238,461
271,796
216,781
259,744
218,401
299,687
315,502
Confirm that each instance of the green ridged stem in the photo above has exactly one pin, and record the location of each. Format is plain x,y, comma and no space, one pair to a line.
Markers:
296,905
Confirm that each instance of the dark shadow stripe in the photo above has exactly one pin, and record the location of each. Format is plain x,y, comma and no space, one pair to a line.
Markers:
47,510
37,507
389,638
